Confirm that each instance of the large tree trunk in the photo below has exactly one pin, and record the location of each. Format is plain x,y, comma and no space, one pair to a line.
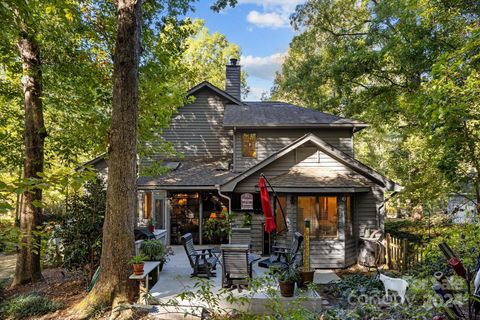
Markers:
113,286
28,259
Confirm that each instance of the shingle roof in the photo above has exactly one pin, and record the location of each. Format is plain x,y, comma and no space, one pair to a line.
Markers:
191,173
319,178
281,114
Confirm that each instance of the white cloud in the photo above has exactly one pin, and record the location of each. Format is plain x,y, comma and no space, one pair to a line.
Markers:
256,93
284,5
275,13
262,67
267,20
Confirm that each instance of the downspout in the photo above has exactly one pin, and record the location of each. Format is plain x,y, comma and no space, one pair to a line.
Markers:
217,186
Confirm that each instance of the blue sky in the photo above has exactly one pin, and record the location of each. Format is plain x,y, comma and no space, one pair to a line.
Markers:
261,29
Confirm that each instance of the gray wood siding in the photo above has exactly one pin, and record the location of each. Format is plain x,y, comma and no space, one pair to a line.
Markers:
270,141
301,157
368,209
196,129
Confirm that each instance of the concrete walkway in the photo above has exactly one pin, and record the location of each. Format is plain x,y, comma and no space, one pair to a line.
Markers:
325,276
175,279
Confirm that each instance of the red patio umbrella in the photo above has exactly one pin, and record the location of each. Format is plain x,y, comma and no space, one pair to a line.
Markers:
266,206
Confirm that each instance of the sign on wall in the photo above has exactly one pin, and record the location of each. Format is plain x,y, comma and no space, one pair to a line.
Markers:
246,201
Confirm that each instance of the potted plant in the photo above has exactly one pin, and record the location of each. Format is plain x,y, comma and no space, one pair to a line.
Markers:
306,274
155,250
151,226
138,263
287,278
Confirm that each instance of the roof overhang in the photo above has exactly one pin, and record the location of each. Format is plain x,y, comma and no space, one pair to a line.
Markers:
328,149
286,189
176,188
355,127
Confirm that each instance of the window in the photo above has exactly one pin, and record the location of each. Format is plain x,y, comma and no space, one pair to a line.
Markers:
279,219
323,214
348,217
249,145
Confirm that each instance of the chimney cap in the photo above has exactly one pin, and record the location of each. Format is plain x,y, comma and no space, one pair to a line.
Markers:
233,61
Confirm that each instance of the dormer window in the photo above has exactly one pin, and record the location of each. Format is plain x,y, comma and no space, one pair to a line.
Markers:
249,145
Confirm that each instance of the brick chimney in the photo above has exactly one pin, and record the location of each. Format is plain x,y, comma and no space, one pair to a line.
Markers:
232,79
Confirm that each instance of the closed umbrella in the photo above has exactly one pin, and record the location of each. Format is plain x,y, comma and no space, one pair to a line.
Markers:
266,206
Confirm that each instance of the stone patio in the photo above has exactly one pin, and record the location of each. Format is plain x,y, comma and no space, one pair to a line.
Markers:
175,279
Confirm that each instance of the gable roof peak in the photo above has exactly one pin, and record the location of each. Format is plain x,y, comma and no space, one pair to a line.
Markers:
217,90
325,147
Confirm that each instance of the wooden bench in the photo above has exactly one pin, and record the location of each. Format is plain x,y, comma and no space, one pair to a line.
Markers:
149,267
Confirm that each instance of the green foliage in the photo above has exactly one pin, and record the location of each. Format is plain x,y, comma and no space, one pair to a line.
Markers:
410,68
462,238
81,230
28,305
247,220
217,230
138,259
288,271
155,250
9,237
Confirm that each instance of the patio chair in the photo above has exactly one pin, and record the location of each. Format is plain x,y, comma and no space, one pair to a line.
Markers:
203,261
278,257
236,265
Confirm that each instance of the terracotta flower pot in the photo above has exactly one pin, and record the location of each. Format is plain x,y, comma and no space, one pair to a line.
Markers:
306,277
151,229
287,288
138,268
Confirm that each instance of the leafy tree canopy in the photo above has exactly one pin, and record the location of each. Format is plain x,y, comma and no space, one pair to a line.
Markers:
410,68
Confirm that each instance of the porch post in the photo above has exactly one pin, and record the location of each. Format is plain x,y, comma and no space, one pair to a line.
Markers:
200,219
341,216
139,215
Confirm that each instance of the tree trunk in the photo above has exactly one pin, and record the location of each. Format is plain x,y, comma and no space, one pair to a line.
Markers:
28,259
113,286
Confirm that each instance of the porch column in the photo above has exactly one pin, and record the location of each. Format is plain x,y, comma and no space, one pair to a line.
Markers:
341,207
200,220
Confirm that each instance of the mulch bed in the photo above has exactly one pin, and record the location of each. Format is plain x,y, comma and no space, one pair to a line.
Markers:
57,284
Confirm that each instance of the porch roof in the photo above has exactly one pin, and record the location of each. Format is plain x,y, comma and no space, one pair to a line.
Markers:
192,174
315,178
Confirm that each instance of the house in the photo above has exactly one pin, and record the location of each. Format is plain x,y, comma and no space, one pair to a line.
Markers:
307,156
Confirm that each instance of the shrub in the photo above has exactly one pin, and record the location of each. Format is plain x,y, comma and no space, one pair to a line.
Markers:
155,250
27,305
81,231
9,237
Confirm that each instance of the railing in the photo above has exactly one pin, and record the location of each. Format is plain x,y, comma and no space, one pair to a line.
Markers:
401,255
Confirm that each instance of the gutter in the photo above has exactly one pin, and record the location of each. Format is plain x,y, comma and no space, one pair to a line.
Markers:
217,186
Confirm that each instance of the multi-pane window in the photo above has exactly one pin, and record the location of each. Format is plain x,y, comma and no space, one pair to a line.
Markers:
322,213
249,145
